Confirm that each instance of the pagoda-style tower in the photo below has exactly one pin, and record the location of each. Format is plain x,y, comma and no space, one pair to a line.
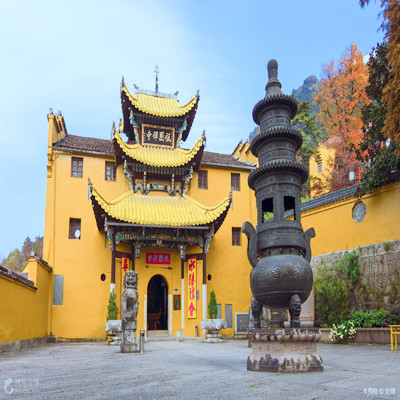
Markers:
157,212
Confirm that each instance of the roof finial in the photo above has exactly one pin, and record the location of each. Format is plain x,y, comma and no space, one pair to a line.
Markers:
157,71
273,85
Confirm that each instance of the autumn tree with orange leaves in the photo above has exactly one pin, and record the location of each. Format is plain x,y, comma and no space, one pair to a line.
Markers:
340,101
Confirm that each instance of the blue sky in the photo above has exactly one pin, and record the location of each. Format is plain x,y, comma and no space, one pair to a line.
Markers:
71,55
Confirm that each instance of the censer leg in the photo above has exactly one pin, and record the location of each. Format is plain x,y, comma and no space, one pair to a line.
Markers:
295,310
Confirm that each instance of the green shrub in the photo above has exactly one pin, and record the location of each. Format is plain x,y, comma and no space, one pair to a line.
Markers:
350,263
212,306
379,319
331,297
358,318
112,307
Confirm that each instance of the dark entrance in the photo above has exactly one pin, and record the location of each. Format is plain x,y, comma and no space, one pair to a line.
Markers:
157,304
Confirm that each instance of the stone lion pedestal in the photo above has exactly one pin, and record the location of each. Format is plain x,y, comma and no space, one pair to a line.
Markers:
284,350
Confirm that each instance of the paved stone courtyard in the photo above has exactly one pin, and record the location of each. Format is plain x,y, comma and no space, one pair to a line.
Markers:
192,370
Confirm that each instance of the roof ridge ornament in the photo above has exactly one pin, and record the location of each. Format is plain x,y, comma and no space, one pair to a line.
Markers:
157,71
113,129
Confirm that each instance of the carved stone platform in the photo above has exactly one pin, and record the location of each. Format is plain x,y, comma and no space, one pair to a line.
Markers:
284,350
213,337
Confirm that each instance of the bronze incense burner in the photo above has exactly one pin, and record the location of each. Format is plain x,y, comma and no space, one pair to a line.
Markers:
279,251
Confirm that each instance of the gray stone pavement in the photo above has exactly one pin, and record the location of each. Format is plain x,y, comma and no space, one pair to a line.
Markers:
192,370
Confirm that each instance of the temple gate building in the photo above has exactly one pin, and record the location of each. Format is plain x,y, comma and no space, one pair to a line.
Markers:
169,213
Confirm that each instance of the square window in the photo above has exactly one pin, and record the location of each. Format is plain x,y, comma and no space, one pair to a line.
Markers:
319,167
203,180
77,167
235,182
74,228
111,171
235,236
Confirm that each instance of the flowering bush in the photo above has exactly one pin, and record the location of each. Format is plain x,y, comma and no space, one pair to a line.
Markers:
344,330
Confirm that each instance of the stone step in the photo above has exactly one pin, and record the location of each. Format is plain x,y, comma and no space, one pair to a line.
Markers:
160,333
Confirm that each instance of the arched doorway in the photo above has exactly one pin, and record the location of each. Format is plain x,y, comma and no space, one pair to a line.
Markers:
157,304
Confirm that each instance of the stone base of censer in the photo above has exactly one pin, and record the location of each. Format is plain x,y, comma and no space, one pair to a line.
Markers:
284,350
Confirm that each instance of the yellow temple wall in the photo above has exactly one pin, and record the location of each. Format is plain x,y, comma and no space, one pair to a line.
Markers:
243,151
336,230
326,157
24,310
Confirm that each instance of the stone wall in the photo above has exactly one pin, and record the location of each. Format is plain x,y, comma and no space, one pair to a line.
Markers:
379,283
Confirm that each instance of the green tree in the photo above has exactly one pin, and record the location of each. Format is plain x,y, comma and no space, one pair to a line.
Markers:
391,93
26,248
112,307
376,153
37,246
212,306
305,122
14,261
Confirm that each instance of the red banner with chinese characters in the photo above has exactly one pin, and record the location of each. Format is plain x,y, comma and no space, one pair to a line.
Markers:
192,305
125,263
158,258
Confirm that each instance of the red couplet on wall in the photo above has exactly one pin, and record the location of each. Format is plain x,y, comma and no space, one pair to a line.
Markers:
125,263
158,258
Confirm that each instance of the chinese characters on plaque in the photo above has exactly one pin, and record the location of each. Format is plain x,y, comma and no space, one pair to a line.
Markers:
192,305
158,258
157,135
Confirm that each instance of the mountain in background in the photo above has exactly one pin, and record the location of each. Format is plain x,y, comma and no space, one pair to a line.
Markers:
307,91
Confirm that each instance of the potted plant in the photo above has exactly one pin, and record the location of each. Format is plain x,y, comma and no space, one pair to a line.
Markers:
213,325
113,325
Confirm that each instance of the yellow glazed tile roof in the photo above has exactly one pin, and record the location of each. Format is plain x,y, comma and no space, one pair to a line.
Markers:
159,156
160,106
160,210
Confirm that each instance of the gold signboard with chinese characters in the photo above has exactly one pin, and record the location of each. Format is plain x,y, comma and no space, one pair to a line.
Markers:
192,305
158,135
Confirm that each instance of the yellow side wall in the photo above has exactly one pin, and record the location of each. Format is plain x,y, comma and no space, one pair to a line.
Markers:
336,230
25,311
